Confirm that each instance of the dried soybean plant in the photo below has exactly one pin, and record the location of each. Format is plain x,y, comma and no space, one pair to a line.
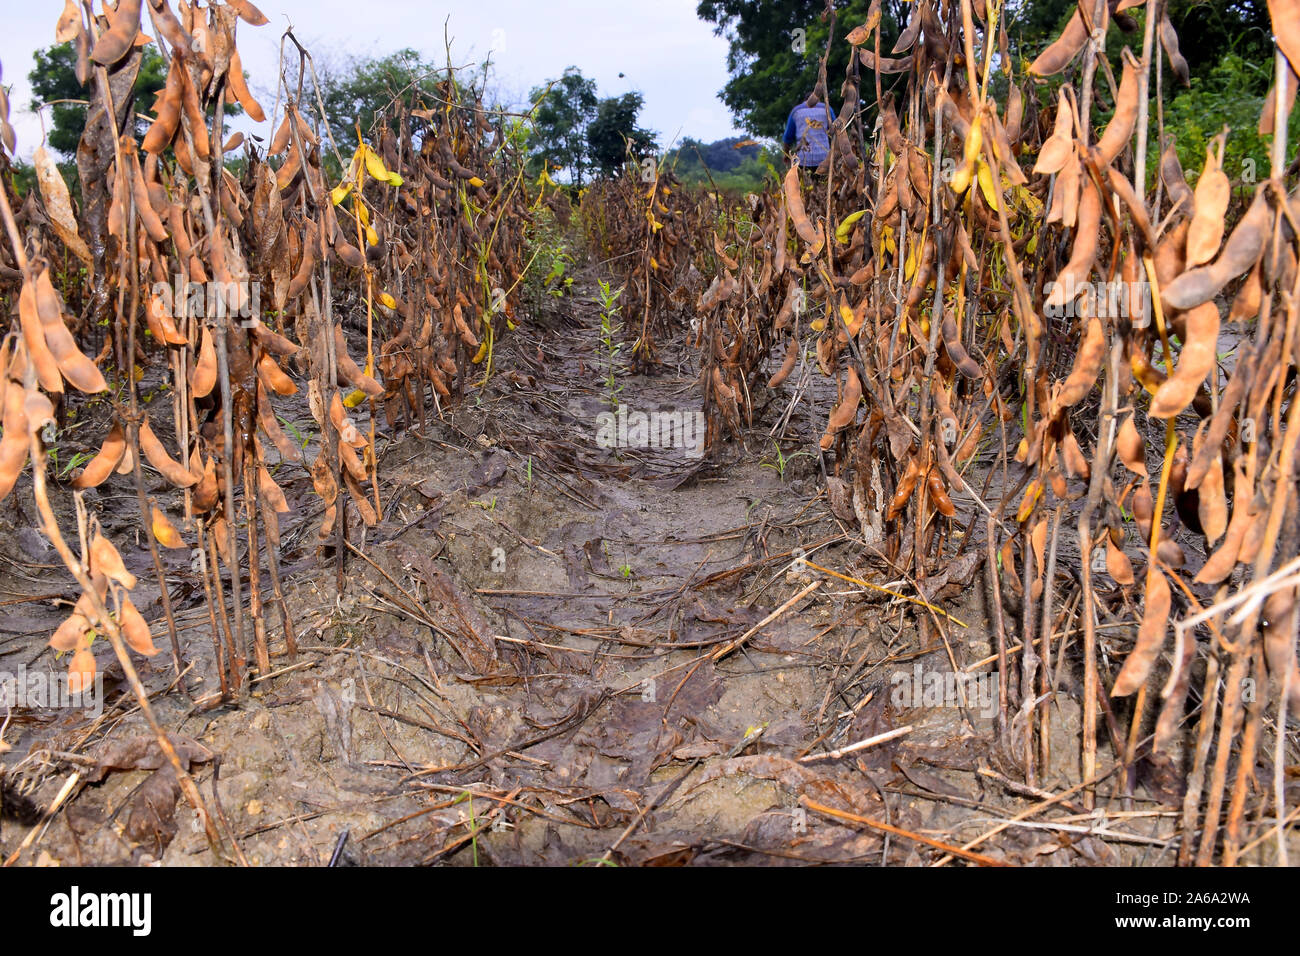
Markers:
237,283
1025,337
644,226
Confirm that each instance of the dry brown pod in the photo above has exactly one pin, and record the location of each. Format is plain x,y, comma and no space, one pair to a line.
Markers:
164,531
195,118
73,364
71,633
1119,131
1213,190
844,413
157,456
1151,635
105,560
159,319
906,485
235,78
1076,463
1181,197
144,211
58,204
207,491
1198,358
1211,497
347,431
1062,50
13,442
1220,564
787,365
168,112
117,40
1087,364
274,377
1278,621
70,23
1071,281
939,495
135,630
1060,145
798,215
350,255
203,376
270,492
952,343
1118,565
352,461
350,372
101,466
1240,252
275,343
301,278
1169,40
38,352
266,418
81,671
1131,448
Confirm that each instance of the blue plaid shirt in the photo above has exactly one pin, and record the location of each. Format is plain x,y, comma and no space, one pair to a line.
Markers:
809,126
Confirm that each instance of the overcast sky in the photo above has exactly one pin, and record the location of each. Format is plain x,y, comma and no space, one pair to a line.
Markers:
660,46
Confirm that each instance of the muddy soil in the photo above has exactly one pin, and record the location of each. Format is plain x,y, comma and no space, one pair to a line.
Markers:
555,651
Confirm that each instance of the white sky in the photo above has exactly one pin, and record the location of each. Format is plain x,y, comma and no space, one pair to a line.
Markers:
664,50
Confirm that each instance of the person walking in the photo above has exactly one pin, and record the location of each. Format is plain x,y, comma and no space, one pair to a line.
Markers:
807,131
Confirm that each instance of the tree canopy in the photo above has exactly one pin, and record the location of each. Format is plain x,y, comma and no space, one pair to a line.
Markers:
560,121
613,135
775,47
775,51
54,77
364,87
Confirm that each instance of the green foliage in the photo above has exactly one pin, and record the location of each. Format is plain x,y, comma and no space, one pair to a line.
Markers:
549,259
55,78
721,156
367,86
559,137
1208,30
23,177
613,136
610,326
1231,94
768,75
731,170
779,463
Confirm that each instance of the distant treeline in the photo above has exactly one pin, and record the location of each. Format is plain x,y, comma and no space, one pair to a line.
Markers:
732,166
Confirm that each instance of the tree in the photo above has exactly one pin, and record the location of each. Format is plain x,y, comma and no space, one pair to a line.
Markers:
559,138
1206,32
720,156
359,91
613,135
776,49
776,46
55,78
733,164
